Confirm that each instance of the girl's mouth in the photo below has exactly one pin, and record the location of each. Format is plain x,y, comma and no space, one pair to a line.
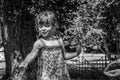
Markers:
45,32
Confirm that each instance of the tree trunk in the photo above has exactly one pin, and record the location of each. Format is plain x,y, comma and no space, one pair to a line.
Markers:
11,46
4,37
18,38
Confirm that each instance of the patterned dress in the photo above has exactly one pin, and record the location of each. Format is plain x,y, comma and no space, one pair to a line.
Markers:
51,65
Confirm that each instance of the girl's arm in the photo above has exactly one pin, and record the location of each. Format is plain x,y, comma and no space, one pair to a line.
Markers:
108,66
113,73
32,54
71,55
67,55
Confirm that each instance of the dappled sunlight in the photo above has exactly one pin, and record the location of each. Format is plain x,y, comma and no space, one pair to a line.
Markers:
2,62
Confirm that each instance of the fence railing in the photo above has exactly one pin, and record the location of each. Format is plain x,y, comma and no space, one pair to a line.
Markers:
88,65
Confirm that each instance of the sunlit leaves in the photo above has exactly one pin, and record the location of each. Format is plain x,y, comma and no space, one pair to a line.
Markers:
88,20
98,17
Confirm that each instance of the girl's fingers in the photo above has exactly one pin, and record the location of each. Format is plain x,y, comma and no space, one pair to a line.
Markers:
108,74
22,65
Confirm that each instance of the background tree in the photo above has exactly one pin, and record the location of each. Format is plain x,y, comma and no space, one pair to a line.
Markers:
91,20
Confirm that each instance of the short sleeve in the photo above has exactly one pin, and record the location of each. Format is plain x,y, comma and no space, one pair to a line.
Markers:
38,44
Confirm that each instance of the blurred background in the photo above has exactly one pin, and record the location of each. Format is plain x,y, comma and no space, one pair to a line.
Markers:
92,24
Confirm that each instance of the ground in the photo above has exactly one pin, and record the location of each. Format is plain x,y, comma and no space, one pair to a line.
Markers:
2,69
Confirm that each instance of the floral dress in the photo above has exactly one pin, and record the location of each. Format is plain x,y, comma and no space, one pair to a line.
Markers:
51,65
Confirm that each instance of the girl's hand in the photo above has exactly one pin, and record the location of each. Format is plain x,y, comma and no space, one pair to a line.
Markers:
108,66
108,74
23,65
112,73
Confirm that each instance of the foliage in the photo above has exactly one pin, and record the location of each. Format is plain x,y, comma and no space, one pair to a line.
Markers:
95,25
91,20
86,21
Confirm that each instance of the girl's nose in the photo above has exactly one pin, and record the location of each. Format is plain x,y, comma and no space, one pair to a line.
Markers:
44,30
43,26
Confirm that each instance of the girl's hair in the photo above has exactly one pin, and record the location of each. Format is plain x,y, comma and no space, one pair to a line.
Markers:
46,18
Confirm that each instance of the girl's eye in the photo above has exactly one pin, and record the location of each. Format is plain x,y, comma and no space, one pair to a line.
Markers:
47,26
39,26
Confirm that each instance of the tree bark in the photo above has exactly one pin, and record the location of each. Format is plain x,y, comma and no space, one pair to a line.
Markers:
4,38
18,38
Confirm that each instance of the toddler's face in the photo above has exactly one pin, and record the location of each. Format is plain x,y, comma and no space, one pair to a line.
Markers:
44,30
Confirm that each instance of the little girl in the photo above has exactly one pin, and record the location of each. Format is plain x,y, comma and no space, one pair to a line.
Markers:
49,49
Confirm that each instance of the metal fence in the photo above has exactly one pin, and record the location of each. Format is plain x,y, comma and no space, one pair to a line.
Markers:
89,66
